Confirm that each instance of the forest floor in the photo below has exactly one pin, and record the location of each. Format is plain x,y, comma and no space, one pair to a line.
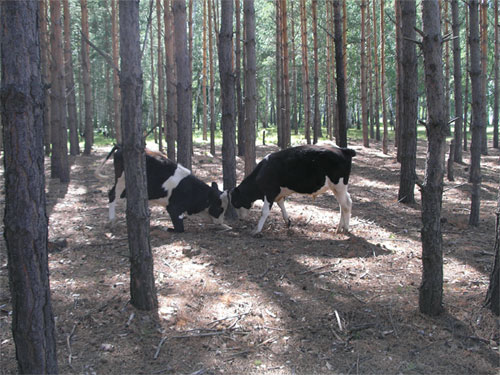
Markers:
303,300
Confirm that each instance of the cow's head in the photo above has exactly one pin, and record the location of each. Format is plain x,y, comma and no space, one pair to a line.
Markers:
217,204
240,202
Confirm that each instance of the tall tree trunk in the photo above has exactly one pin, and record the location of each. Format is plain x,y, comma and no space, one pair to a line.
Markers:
329,68
493,293
317,119
305,73
250,86
286,78
467,67
184,94
431,288
89,129
382,79
363,74
70,84
279,75
227,99
293,122
204,71
212,80
45,63
171,76
446,22
376,62
409,93
339,61
116,79
153,79
397,138
142,283
497,78
161,84
239,98
369,76
25,218
59,166
457,77
484,74
477,111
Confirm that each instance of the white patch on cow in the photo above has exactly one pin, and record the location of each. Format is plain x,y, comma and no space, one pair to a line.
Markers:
265,213
224,197
119,188
281,204
171,183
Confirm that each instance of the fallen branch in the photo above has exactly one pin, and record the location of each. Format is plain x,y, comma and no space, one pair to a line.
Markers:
68,344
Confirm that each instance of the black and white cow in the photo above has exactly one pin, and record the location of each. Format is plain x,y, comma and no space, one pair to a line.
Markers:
308,169
172,186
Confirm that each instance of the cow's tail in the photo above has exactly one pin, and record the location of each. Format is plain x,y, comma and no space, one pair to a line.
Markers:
98,172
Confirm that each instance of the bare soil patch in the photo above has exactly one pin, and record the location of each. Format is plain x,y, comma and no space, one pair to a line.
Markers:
303,300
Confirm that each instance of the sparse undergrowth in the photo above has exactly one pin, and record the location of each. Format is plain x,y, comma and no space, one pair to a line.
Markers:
300,300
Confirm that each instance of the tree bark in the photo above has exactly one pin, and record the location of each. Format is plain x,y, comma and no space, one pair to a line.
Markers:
286,77
339,61
409,93
161,83
317,119
171,76
493,295
239,98
497,78
484,74
306,96
376,63
25,219
382,79
142,283
227,99
204,72
212,80
363,74
250,86
477,112
467,68
89,129
431,288
59,166
184,93
457,77
74,148
116,78
45,63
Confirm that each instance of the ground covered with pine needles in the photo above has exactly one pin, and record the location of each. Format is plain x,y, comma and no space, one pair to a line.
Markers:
298,300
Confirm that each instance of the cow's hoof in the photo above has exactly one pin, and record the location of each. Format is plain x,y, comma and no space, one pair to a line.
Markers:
175,230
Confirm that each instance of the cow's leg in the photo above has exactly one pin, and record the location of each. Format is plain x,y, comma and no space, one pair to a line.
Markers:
116,193
345,202
281,204
177,218
266,208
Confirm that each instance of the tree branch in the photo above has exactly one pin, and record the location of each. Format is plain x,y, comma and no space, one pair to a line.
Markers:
106,56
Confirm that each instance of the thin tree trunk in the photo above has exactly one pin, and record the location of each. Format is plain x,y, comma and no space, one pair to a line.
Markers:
239,99
212,80
329,68
477,111
70,84
250,86
25,218
457,77
339,61
397,138
431,288
171,76
184,94
116,79
142,283
227,99
59,166
467,67
484,74
497,78
376,62
305,73
493,295
286,78
45,63
446,58
363,74
409,92
294,124
153,79
317,119
161,84
279,75
204,71
382,79
89,130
